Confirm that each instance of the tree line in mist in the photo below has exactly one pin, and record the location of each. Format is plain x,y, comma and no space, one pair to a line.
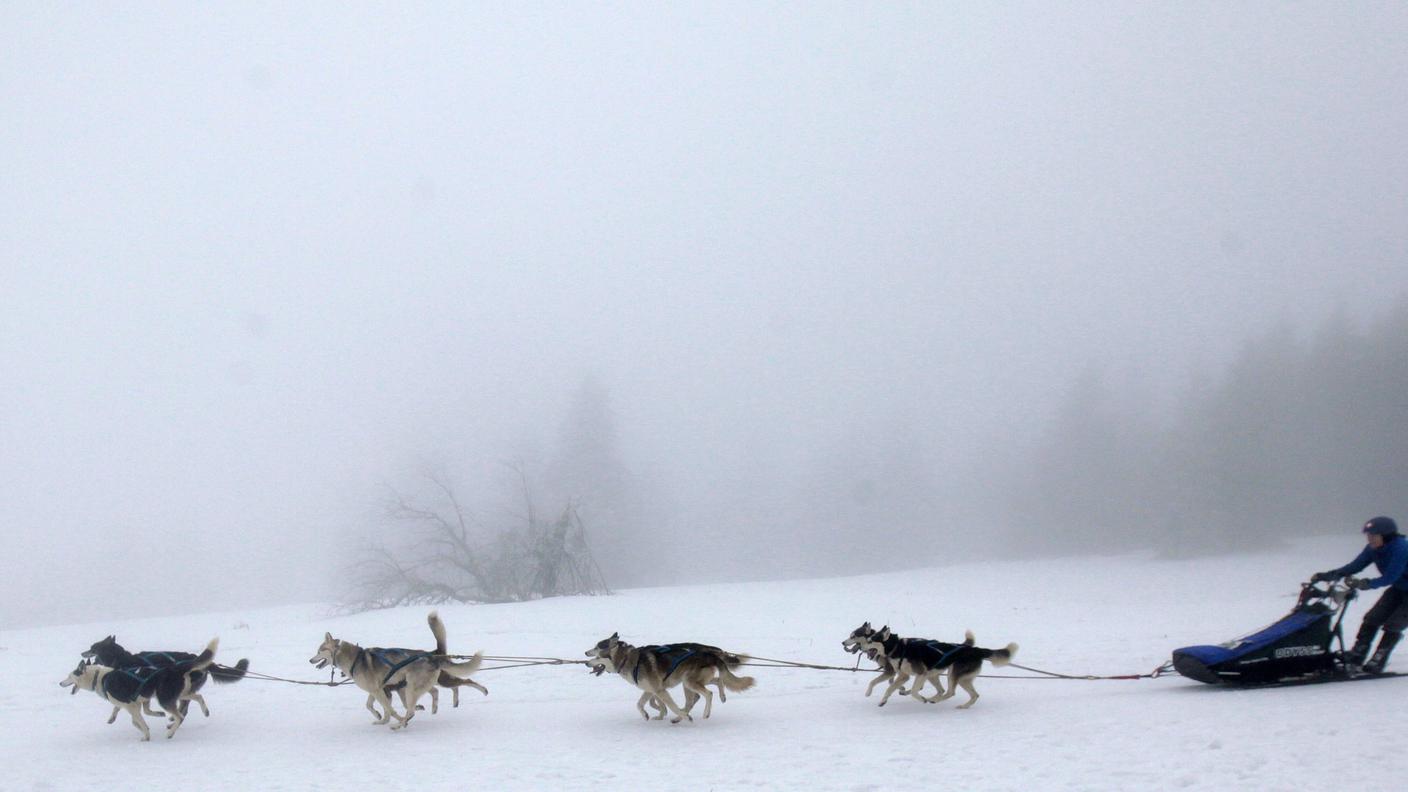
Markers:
517,533
1302,433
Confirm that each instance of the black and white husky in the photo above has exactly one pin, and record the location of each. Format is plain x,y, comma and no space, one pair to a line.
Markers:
133,688
926,661
108,652
859,642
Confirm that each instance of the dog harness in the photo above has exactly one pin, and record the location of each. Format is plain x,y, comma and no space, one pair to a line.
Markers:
104,680
663,651
144,675
938,647
147,658
395,658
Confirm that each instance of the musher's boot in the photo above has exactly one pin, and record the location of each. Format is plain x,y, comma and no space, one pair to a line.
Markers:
1354,658
1380,659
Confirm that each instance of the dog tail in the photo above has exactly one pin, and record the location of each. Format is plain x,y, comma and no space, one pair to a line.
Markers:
449,681
968,639
437,628
463,670
206,657
225,674
1003,656
733,682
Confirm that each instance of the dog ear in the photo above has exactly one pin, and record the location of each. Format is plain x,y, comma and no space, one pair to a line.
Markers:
616,636
327,636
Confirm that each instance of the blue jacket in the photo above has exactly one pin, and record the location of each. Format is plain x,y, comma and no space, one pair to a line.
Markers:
1391,559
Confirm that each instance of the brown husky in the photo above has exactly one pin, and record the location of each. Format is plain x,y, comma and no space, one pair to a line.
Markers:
656,669
378,672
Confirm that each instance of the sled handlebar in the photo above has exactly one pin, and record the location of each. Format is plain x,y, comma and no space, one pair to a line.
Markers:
1337,591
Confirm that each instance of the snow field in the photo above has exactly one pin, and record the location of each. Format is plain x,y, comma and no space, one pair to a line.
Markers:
557,727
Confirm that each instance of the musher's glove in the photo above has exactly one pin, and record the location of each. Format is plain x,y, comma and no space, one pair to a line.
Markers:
1322,576
1361,583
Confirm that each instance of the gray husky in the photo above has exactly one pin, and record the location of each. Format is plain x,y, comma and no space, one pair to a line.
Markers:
656,669
132,689
378,671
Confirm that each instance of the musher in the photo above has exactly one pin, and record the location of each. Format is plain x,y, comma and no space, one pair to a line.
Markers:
1388,549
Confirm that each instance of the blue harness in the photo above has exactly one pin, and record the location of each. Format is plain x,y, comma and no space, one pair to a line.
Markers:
144,675
395,658
946,655
664,651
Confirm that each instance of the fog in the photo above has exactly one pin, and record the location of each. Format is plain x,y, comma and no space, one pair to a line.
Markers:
817,287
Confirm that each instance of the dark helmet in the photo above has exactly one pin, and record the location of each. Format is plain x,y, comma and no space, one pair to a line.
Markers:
1383,526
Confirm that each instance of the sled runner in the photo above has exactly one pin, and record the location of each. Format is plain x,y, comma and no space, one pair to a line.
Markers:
1298,648
1340,674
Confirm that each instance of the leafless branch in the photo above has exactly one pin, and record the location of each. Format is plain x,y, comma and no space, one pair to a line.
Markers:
439,559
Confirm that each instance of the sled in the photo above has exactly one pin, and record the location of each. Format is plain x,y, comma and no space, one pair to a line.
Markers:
1297,648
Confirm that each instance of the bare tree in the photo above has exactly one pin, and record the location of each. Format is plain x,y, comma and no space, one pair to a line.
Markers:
435,551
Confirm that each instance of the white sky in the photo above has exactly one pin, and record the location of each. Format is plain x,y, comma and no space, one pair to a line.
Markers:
255,258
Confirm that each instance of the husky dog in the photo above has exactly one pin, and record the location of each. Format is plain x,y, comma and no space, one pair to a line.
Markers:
378,672
859,641
108,652
445,680
926,661
132,688
656,669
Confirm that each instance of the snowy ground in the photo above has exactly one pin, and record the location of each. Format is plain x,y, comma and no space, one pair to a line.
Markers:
559,728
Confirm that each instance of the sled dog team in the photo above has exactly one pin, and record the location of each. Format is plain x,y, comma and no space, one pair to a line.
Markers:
130,681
